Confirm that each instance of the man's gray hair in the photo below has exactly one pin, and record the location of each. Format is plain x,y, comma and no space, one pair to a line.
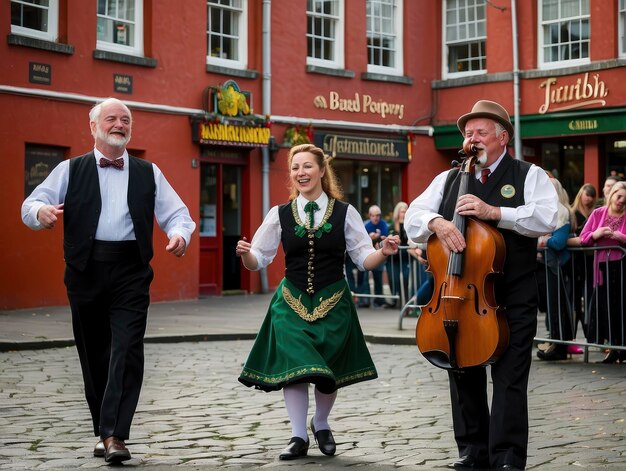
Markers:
94,113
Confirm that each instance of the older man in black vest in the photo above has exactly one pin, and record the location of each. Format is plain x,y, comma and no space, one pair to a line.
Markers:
108,201
518,199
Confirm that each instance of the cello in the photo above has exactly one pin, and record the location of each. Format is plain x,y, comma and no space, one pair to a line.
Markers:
462,325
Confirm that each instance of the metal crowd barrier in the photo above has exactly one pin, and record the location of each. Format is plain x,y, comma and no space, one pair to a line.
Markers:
577,302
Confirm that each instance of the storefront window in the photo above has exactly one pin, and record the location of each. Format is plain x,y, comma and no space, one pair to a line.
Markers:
367,183
615,148
564,159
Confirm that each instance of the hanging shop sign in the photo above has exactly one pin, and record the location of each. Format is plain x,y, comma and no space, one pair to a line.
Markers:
232,135
357,103
229,119
562,96
362,147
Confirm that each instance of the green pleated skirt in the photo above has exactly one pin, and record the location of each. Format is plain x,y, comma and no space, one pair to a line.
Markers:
329,352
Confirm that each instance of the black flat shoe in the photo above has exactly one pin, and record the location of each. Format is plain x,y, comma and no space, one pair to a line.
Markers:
325,440
468,462
296,449
610,357
553,353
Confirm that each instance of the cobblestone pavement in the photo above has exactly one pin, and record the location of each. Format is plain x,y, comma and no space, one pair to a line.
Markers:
193,414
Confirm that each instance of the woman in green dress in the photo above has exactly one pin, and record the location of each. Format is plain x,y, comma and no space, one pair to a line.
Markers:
311,333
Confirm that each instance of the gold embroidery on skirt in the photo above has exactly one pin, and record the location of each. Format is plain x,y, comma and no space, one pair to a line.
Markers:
319,312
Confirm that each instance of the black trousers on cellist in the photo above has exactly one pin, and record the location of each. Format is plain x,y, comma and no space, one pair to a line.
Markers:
109,302
499,437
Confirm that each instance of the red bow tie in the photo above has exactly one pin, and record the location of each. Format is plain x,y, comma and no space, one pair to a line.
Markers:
117,163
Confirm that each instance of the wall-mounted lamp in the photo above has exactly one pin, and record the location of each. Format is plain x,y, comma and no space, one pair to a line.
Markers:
272,146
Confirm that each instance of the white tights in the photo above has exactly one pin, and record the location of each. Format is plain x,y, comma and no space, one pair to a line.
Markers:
297,404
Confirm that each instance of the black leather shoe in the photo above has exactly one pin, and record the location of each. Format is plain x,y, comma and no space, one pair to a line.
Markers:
325,440
610,357
296,448
468,462
510,467
553,353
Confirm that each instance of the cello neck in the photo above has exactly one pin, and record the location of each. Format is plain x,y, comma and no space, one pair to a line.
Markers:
455,262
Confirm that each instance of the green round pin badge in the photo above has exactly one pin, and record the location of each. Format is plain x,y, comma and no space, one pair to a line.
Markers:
508,191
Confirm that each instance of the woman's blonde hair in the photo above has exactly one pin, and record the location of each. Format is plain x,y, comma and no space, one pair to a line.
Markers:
566,214
330,184
396,210
619,185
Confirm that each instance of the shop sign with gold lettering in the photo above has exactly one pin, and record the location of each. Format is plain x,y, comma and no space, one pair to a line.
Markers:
229,120
585,91
363,147
357,103
232,135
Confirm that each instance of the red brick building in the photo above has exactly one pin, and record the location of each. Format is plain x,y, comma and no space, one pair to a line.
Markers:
219,90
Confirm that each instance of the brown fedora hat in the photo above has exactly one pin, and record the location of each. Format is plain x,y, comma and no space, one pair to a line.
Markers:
487,109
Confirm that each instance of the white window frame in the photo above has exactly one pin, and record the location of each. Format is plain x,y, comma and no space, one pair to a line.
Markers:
339,39
137,49
398,34
53,23
242,42
446,74
541,40
621,18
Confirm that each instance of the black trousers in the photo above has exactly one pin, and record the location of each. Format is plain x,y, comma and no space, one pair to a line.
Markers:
109,302
501,436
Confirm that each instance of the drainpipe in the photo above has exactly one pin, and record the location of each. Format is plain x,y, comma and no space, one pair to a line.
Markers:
266,90
516,86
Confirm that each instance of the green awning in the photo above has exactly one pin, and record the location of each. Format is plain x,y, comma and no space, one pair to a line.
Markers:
571,123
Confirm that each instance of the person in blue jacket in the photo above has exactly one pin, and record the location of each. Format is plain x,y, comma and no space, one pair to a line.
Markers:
551,278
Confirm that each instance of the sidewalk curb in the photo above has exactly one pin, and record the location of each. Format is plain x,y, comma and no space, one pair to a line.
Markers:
61,343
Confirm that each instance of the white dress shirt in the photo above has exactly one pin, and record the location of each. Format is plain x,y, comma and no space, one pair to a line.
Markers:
115,223
536,217
267,237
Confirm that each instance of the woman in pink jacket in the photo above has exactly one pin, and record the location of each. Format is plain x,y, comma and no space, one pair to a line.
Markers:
606,227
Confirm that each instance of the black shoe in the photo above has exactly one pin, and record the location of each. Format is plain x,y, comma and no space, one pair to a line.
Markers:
296,448
468,462
610,357
325,440
553,353
510,467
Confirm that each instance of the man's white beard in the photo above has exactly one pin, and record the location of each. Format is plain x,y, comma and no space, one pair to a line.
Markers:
481,158
113,140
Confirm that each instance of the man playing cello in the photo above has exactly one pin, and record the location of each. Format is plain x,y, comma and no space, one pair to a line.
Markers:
518,199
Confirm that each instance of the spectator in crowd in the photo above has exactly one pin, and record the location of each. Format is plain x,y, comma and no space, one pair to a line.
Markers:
606,227
584,203
608,184
581,264
551,279
425,281
398,265
377,229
